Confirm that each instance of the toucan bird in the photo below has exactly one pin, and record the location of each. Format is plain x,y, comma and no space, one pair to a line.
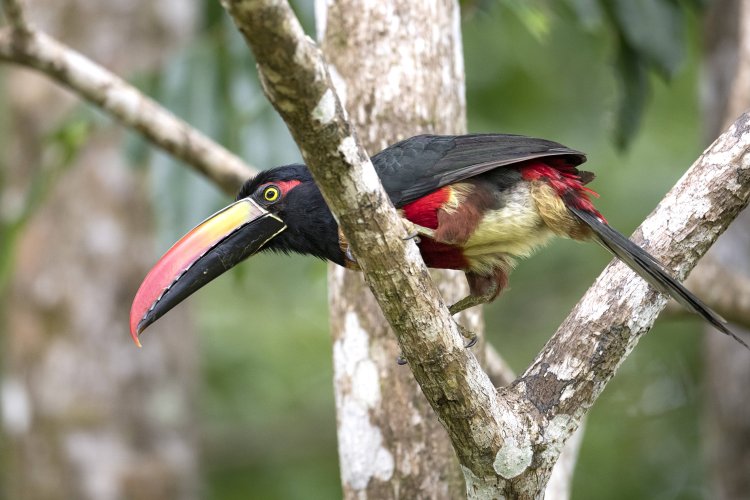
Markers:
476,202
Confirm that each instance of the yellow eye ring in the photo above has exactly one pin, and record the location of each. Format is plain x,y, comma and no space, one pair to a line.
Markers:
271,193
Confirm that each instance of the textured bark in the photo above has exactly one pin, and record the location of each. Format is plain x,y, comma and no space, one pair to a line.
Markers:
400,68
85,414
508,440
560,484
727,94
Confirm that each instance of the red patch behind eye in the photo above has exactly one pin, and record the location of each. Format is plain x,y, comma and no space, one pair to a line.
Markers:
424,211
286,186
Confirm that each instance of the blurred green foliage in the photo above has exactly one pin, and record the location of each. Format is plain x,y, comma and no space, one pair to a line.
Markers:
60,149
543,69
648,37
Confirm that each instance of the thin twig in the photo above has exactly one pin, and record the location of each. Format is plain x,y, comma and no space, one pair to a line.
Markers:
725,291
126,104
15,12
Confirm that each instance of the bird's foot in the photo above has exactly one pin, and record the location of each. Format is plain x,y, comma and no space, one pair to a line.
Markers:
414,231
483,288
468,334
349,255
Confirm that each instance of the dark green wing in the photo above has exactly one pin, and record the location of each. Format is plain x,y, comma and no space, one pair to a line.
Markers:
417,166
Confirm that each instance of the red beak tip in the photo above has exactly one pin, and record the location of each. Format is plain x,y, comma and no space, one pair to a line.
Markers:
136,339
134,334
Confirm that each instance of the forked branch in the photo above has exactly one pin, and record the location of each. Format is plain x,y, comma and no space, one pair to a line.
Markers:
506,440
122,101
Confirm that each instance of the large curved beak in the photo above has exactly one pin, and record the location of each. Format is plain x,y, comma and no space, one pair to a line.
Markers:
211,248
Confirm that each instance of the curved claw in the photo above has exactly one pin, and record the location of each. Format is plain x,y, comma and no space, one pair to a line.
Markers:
472,342
415,231
468,334
349,255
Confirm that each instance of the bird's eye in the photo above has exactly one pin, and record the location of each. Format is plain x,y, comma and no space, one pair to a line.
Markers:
271,194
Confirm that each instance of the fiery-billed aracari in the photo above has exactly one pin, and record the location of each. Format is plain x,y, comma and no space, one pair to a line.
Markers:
477,201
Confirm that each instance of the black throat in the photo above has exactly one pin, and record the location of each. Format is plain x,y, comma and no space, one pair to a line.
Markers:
311,228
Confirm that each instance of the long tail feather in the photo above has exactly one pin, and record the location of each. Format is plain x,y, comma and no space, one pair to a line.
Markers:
648,268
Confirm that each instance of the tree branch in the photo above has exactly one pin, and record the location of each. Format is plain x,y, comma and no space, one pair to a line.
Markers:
508,440
297,83
727,292
418,46
560,483
124,103
574,367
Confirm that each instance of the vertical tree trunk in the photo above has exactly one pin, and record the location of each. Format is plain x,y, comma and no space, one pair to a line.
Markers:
727,94
399,68
85,414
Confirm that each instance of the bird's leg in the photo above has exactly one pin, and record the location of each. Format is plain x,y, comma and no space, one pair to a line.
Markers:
471,301
414,231
483,288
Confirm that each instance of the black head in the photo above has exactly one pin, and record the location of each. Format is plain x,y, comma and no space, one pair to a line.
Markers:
290,193
280,209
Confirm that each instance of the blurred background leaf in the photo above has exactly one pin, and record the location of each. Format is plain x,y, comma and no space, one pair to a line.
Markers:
533,15
654,29
650,38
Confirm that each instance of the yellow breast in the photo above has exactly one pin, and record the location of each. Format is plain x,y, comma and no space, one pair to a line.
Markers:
515,229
